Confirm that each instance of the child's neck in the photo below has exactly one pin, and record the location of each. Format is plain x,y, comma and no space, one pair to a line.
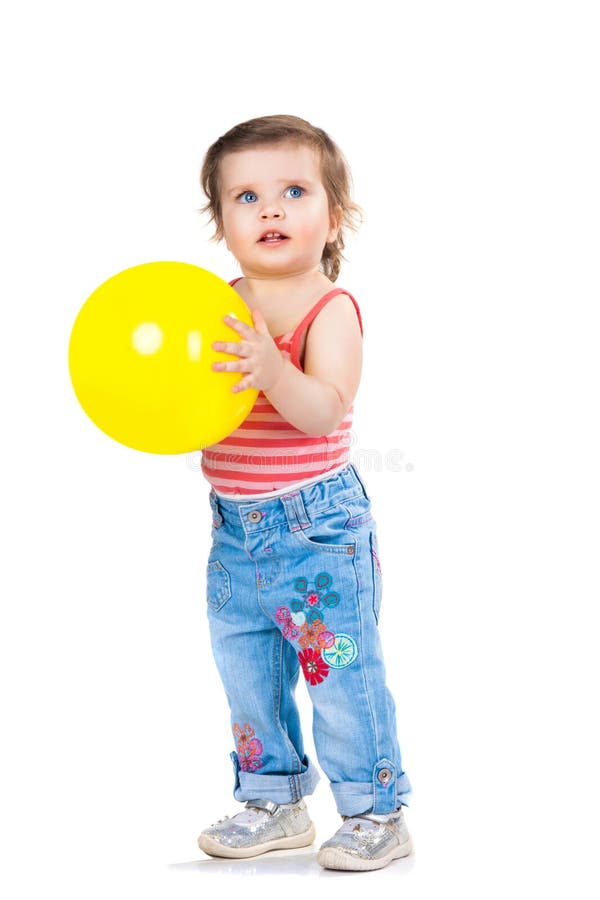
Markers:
266,288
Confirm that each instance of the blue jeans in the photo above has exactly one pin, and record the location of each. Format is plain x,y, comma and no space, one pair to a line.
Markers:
294,583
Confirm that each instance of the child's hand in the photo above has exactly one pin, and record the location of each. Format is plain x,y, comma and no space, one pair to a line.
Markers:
258,352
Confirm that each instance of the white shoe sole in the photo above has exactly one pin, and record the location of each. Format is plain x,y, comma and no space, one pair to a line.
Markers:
291,842
331,858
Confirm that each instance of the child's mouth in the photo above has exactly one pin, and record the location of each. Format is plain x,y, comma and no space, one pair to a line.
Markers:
273,238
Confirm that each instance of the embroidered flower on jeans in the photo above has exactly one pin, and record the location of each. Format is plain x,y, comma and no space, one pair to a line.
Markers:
323,580
314,668
289,630
314,597
342,652
321,647
314,634
248,748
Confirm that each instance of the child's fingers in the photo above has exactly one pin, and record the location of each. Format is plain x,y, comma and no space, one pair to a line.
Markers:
242,384
233,365
237,348
245,330
259,322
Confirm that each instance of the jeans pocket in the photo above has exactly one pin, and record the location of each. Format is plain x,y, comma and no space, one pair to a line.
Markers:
359,513
327,533
377,584
218,585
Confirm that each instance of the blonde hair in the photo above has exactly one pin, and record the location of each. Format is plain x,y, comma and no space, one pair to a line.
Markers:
335,173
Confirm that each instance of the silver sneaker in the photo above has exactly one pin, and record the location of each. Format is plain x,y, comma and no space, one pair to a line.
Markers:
363,843
262,826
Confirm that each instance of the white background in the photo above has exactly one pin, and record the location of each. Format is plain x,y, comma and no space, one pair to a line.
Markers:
472,132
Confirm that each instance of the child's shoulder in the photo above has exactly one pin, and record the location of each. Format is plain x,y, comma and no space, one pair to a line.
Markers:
336,308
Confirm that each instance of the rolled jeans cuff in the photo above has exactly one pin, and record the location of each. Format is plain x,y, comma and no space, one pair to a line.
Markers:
278,788
354,797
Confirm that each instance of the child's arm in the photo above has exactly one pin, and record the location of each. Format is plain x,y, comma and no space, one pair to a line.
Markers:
317,400
314,401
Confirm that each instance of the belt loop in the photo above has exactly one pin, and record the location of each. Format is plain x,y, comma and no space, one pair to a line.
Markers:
295,511
360,481
214,503
301,510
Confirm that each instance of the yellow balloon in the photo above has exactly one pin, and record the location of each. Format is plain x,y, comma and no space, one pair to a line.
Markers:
140,358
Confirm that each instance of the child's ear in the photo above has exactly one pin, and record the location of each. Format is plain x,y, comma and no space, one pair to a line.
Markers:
335,220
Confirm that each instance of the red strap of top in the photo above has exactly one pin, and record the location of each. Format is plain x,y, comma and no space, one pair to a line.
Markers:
306,321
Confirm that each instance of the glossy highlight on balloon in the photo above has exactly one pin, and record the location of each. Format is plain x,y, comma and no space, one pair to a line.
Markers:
140,358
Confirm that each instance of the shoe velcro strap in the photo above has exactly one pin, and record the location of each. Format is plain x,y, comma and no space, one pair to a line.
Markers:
269,805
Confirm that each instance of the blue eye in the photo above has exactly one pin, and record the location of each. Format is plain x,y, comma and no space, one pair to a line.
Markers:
245,194
298,190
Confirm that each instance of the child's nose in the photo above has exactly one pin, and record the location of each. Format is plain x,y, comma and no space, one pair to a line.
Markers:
271,210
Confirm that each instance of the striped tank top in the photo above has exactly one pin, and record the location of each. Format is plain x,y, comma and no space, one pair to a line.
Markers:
267,454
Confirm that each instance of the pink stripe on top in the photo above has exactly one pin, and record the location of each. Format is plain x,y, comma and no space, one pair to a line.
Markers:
266,453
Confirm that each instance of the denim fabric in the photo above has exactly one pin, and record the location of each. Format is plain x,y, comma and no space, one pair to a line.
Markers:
294,587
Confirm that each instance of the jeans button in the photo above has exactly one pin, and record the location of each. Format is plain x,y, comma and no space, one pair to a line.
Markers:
384,775
255,515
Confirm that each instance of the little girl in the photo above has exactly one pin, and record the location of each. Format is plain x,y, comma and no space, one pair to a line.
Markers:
293,577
